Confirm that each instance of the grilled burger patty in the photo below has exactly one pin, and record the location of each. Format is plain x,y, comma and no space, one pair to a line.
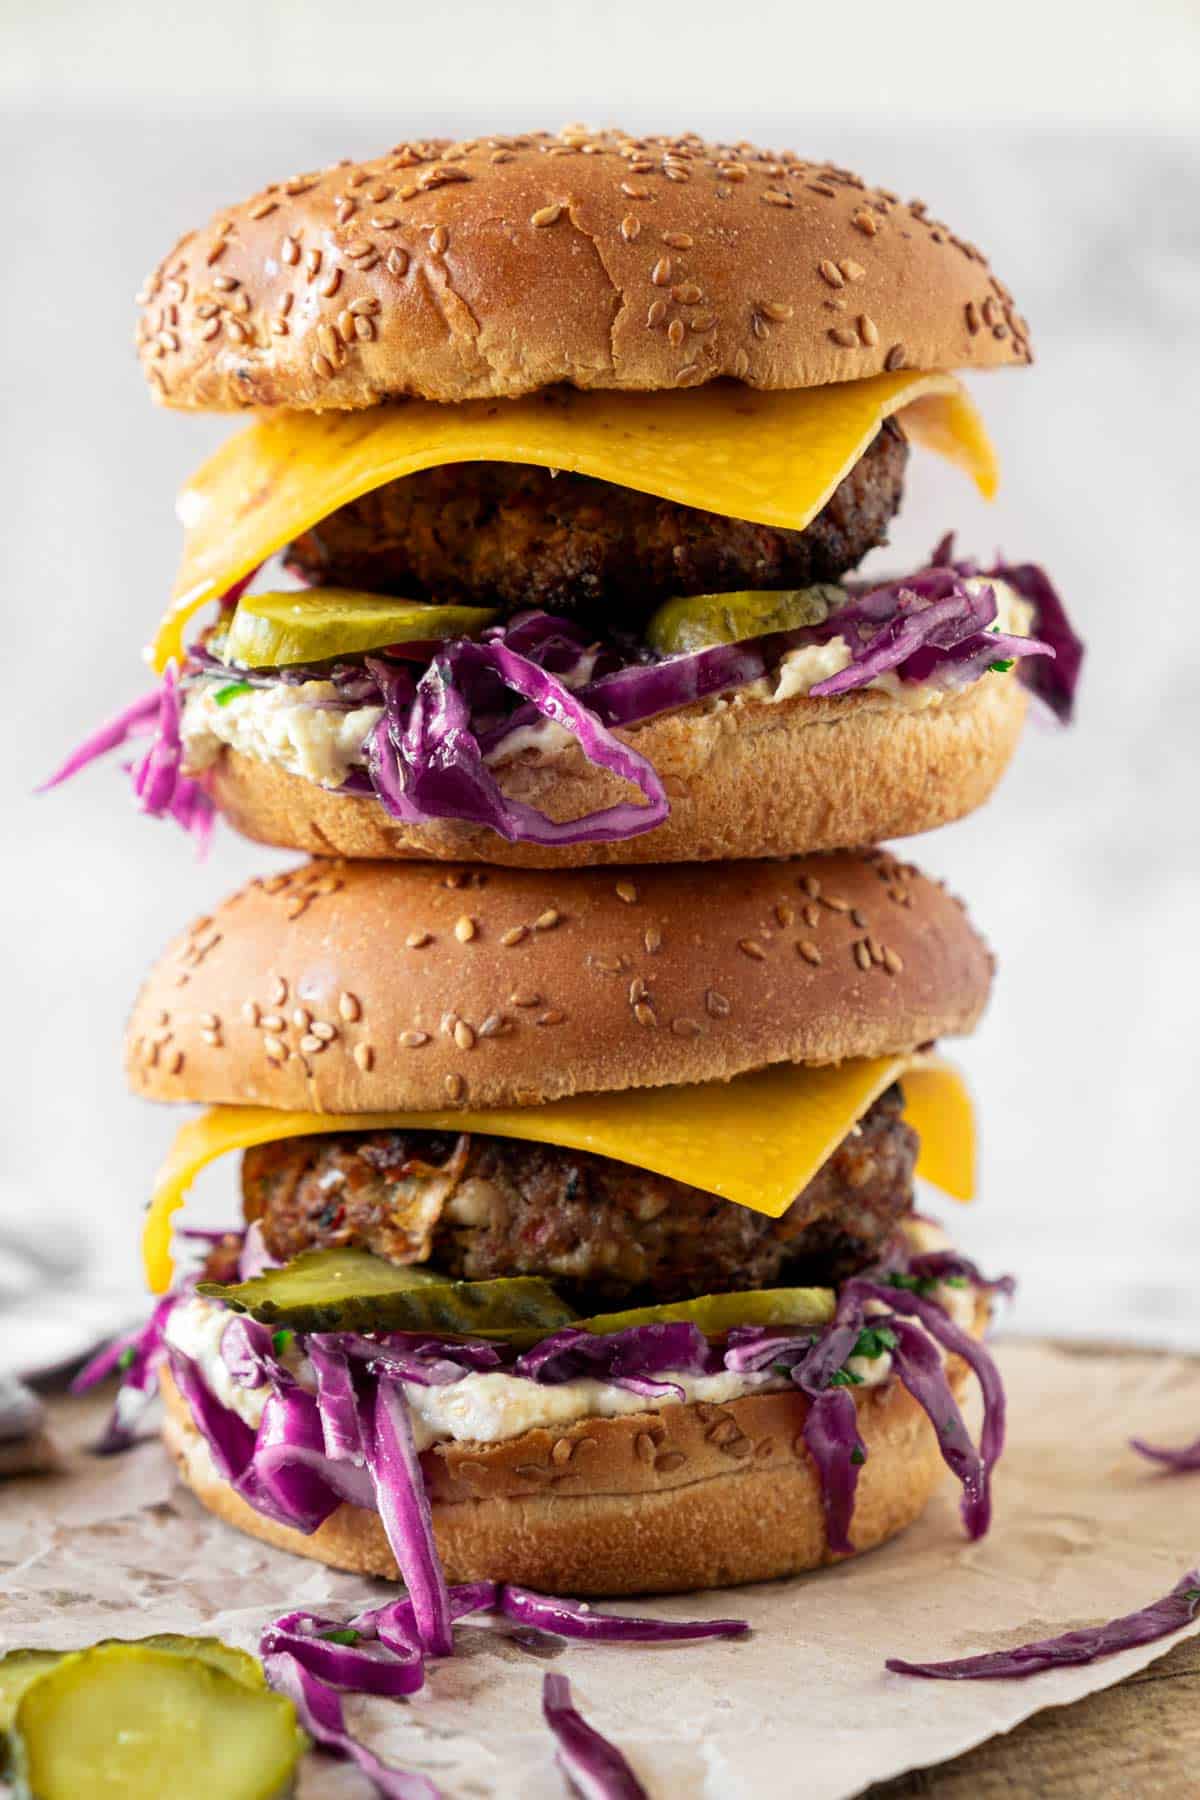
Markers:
478,1207
511,536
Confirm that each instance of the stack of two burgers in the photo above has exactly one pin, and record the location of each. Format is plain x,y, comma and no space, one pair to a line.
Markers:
582,1076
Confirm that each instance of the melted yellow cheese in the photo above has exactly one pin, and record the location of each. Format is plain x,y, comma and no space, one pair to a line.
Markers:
757,1140
774,458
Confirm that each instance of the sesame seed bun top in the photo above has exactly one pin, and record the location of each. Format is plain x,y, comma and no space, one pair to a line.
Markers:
373,987
497,266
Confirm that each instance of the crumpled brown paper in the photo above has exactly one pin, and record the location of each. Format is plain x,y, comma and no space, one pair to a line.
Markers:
1085,1530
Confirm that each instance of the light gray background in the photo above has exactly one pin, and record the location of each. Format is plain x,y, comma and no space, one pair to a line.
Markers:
1072,159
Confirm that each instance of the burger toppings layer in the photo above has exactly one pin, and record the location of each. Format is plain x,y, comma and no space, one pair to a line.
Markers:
537,579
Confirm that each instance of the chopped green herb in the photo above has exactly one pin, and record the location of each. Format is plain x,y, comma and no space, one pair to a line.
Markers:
858,1456
1003,666
345,1636
958,1281
224,695
1191,1595
782,1368
845,1378
874,1340
125,1360
281,1339
913,1284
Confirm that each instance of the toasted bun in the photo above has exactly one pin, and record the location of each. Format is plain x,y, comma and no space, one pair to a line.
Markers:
691,1497
493,267
372,987
755,778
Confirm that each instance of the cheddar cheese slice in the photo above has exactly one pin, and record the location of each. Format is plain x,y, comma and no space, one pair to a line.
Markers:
757,1140
774,458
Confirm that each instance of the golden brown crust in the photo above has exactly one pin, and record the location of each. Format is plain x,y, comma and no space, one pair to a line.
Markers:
751,779
497,266
367,987
691,1497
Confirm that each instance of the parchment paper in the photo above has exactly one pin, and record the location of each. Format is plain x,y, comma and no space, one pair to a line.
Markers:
1084,1531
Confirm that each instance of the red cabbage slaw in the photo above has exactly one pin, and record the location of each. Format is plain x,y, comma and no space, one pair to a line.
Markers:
443,719
1182,1461
1072,1648
593,1767
349,1438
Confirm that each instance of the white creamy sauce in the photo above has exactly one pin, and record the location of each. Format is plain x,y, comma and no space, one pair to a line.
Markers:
290,726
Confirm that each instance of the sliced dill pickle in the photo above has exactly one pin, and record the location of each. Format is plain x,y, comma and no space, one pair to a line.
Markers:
351,1290
718,1313
700,620
313,624
127,1722
21,1667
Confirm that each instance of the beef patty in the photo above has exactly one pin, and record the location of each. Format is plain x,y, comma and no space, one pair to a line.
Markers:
512,536
477,1207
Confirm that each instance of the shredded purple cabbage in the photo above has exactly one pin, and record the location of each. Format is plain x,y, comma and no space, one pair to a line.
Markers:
574,1619
1146,1626
593,1767
137,1356
447,709
1183,1461
159,786
403,1505
319,1709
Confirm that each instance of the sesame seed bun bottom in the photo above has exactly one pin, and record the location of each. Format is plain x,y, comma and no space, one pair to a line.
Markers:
745,778
691,1497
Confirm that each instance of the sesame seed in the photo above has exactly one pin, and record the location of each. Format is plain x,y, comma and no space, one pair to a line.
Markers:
275,1049
250,1012
464,929
310,1045
862,955
835,903
858,917
516,934
547,920
397,262
271,1022
866,223
638,990
175,1062
774,197
350,1007
439,241
644,1014
312,263
752,948
627,892
688,294
634,193
896,358
493,1026
676,332
631,225
776,310
660,274
331,283
412,1040
892,962
364,1056
553,1017
843,336
686,1028
808,950
715,1004
279,992
464,1035
784,912
416,940
321,365
213,1038
325,1032
702,322
678,240
653,941
301,1018
853,271
455,1086
524,999
868,331
547,215
656,314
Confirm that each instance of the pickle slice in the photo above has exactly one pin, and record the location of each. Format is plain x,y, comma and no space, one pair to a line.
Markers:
17,1669
700,620
127,1722
718,1313
351,1290
313,624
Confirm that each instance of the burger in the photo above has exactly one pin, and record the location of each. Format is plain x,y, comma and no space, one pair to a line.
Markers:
578,1245
540,548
